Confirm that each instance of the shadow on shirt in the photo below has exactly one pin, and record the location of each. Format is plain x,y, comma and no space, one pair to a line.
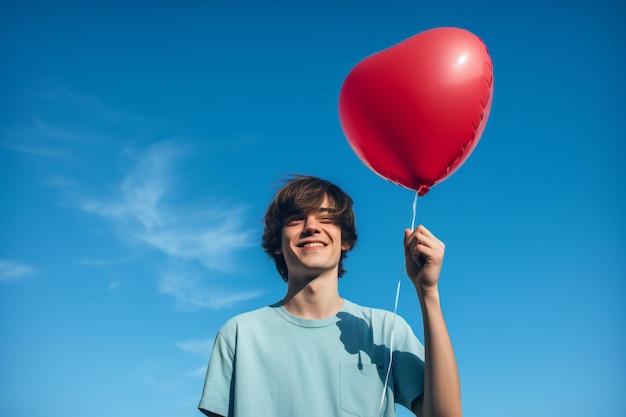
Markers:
358,339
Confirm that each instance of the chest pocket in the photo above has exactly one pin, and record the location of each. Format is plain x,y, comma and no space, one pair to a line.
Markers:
361,388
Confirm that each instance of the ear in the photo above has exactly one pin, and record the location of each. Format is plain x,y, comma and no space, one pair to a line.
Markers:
278,251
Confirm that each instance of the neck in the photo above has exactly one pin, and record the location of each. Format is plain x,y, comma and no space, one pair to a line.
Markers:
313,298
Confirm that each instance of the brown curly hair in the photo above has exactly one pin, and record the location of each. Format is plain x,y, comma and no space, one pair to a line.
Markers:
305,194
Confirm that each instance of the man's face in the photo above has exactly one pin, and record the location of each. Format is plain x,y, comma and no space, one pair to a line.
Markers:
311,244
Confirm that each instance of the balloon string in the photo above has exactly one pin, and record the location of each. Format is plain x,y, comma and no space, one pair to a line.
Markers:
393,326
414,212
393,322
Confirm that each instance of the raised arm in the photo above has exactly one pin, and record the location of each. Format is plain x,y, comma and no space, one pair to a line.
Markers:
442,393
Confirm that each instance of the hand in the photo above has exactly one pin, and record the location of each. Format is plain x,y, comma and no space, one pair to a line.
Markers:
423,253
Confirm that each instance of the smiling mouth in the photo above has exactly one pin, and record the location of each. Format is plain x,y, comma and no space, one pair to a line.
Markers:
313,245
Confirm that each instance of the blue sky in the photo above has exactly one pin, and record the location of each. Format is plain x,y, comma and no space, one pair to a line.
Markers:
141,142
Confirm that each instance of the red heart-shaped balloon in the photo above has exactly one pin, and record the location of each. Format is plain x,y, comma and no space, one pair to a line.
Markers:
413,113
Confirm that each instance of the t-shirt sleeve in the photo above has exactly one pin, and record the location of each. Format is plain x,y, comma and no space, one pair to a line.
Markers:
217,391
408,365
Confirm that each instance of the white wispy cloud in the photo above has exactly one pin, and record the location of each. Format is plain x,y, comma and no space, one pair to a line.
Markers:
43,139
114,285
82,103
106,262
142,211
201,348
157,375
34,149
60,181
197,347
192,294
85,121
199,372
140,197
10,270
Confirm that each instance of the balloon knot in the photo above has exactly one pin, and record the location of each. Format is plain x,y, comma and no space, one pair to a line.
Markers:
423,190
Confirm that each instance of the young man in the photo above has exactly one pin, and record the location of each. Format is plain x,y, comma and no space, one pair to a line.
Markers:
316,354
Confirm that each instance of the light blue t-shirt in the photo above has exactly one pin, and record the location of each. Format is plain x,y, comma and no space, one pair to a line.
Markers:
270,363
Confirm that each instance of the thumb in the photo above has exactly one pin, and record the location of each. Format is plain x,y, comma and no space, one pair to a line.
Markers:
407,244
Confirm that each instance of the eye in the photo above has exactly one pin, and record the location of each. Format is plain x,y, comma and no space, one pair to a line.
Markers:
327,220
293,221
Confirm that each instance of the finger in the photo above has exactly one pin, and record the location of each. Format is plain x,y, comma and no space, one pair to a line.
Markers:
407,234
425,232
407,238
417,241
418,259
423,229
410,238
427,238
433,255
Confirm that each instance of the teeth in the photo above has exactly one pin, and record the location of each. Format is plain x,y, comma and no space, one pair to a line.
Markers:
313,244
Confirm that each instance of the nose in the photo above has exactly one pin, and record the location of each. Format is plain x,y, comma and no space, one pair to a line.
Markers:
311,225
